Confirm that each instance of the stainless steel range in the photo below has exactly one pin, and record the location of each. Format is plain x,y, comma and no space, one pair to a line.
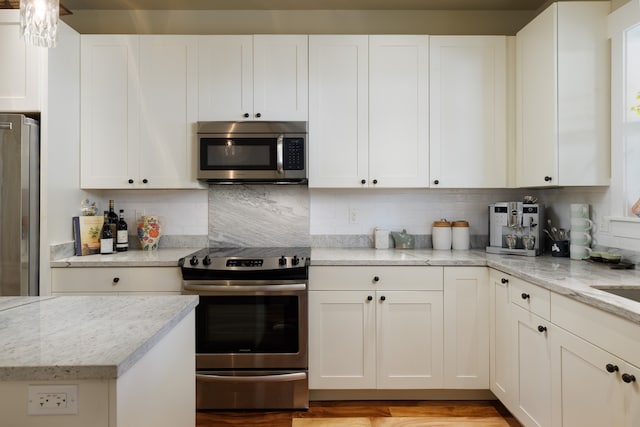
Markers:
251,326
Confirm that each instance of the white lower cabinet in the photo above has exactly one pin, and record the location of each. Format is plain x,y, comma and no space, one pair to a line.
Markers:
116,281
500,342
531,400
406,327
466,328
370,327
556,362
409,339
342,342
588,386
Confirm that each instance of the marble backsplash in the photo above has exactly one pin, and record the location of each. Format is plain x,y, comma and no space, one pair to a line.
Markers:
258,215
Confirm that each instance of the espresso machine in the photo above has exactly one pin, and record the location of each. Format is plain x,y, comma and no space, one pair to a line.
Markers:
515,228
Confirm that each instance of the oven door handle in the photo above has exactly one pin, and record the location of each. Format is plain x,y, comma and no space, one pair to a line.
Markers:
280,154
248,288
271,378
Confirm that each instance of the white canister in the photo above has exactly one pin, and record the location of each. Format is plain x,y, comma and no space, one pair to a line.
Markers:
460,239
441,235
381,238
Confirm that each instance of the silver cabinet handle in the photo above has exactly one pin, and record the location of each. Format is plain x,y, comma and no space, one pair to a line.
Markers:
296,376
204,288
6,125
280,154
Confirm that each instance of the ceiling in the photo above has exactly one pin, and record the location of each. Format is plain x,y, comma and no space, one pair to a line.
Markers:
74,5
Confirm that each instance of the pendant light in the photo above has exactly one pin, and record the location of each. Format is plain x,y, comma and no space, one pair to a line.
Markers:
39,21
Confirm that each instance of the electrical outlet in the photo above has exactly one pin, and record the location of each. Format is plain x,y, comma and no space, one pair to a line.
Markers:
52,399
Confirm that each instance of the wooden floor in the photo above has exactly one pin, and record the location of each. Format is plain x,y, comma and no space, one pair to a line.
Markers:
370,414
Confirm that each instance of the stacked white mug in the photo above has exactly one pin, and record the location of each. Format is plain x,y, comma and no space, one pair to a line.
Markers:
581,227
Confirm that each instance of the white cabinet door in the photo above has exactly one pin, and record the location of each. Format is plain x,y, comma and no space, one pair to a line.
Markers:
20,84
409,326
338,111
398,111
261,77
562,97
342,342
225,78
466,327
532,362
168,111
138,108
468,116
500,337
280,77
536,101
109,111
585,393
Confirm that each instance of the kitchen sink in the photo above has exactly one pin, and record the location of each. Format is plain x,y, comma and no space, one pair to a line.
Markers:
626,292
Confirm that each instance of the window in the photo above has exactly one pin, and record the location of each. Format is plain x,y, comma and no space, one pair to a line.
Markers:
622,228
631,122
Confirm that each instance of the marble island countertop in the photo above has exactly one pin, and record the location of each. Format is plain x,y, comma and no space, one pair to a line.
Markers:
572,278
78,337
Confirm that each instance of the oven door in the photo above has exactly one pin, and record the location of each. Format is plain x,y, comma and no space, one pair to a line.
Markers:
251,327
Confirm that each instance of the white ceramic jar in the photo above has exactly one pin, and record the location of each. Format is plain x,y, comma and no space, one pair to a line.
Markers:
441,235
460,239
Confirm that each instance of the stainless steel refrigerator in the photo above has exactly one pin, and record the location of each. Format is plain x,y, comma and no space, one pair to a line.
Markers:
19,205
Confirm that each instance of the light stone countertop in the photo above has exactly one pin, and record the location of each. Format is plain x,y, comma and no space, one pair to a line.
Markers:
163,257
572,278
82,337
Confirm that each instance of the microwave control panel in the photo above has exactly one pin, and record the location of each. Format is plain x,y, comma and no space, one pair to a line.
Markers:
294,157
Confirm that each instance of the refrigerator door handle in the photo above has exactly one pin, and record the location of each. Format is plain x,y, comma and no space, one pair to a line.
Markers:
6,125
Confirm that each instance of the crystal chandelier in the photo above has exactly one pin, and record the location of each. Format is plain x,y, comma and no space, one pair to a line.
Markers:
39,21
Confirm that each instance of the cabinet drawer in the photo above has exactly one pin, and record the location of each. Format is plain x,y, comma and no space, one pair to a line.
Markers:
615,334
375,277
530,297
116,280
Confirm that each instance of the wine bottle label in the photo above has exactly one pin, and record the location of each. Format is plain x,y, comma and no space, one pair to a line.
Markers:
106,246
122,237
122,240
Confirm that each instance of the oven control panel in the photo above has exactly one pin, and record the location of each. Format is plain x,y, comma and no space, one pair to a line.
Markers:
244,262
271,263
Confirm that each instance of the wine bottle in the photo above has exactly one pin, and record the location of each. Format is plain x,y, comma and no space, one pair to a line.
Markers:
106,236
122,236
113,221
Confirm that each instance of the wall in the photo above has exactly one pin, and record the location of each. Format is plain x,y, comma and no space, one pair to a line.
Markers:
248,215
298,22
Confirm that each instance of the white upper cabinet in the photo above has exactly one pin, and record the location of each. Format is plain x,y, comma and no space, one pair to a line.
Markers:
468,117
338,111
138,107
399,111
20,84
108,111
563,97
168,110
368,111
261,77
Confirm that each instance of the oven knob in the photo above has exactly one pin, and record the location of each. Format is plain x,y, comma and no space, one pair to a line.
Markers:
282,260
206,260
193,260
295,260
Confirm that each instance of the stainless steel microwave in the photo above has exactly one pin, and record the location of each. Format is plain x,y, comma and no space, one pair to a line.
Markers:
252,152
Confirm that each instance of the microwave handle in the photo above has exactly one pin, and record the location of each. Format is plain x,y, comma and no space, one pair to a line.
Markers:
280,154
